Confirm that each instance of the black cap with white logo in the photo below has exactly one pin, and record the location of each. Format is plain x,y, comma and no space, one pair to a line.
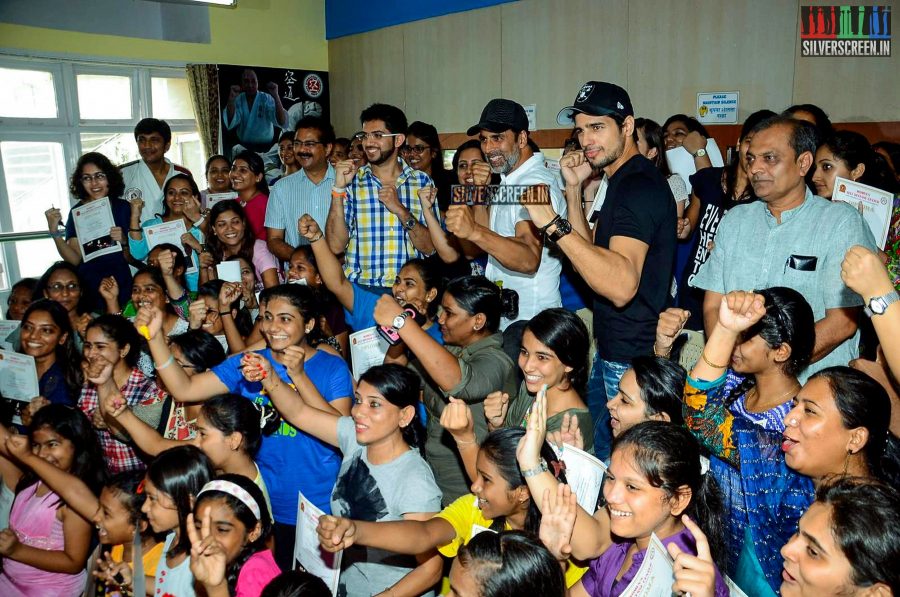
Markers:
501,115
597,98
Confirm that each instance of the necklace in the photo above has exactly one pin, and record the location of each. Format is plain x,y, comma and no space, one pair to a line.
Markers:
778,400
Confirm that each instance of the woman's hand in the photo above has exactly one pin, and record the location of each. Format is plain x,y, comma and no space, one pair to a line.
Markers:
294,359
257,368
230,292
81,322
668,328
528,454
558,513
98,372
197,314
694,575
457,419
740,310
188,239
495,406
864,273
568,433
166,260
19,447
208,558
192,209
109,289
336,533
54,218
694,142
386,309
9,541
308,227
117,234
36,404
427,197
112,403
149,319
207,260
113,574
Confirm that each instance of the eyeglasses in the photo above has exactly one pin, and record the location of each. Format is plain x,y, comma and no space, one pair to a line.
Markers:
306,144
416,149
98,176
377,135
58,288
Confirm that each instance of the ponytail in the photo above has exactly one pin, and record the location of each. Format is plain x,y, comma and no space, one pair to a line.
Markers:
399,386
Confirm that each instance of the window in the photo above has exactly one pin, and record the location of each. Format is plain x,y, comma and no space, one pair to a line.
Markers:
55,110
27,94
103,97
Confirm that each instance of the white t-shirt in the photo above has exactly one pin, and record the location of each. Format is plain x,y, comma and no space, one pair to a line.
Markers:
137,176
540,290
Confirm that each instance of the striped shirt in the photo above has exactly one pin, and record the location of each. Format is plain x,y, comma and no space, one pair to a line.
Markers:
379,244
295,195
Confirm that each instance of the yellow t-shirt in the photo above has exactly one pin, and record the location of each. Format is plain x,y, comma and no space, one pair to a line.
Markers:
465,517
150,558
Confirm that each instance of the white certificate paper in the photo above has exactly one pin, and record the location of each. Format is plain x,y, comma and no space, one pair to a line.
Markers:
585,476
18,381
682,163
874,204
229,271
170,232
655,576
307,551
7,327
367,349
92,223
214,198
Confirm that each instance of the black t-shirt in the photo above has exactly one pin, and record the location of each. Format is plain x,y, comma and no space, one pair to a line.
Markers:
639,204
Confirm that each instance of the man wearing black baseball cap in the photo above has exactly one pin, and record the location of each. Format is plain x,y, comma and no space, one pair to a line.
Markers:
517,258
627,259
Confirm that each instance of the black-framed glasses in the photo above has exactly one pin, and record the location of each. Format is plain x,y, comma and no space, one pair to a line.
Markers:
377,135
98,176
306,144
416,149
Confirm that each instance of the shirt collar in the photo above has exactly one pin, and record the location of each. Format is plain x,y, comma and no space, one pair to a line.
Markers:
526,167
329,174
405,172
791,213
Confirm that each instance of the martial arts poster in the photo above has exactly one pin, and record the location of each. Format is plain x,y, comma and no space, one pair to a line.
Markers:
257,104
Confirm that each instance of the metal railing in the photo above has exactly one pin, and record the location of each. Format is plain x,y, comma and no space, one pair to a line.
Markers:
6,237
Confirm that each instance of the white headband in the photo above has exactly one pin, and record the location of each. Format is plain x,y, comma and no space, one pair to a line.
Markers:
235,490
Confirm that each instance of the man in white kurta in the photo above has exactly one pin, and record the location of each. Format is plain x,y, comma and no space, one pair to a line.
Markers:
145,178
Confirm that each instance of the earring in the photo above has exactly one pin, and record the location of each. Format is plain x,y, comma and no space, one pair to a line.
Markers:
792,422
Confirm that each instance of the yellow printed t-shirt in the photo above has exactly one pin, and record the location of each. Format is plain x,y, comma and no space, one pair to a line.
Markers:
150,558
466,519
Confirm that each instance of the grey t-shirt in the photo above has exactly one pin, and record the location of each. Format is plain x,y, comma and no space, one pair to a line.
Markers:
374,493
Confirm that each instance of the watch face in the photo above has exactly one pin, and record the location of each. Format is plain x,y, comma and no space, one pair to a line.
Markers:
877,305
399,321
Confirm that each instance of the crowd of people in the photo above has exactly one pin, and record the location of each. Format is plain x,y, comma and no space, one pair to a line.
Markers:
526,308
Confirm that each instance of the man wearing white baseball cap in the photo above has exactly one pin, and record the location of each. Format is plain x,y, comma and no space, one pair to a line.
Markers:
628,258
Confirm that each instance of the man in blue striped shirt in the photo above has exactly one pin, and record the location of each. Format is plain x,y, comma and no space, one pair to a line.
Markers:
376,217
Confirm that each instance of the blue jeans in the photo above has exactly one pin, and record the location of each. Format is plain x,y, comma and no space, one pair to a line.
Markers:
603,385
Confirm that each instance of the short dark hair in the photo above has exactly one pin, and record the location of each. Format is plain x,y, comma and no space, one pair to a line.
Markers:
823,123
511,563
153,125
326,131
661,383
802,136
690,123
393,117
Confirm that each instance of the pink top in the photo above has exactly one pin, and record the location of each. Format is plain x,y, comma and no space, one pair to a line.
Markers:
263,260
256,213
256,573
34,521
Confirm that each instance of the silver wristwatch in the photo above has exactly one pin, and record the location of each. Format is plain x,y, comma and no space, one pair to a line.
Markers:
400,320
879,304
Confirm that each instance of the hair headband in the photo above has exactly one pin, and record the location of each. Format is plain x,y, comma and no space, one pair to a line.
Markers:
235,490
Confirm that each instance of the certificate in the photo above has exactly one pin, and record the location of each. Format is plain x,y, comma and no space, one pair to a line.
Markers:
92,224
229,271
214,198
656,575
367,349
171,233
874,204
307,551
682,163
18,382
7,327
584,474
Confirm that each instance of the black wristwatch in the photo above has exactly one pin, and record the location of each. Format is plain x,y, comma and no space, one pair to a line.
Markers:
563,227
410,223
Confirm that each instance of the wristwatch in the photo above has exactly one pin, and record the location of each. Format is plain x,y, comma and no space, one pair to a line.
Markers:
410,223
879,304
400,320
700,153
533,472
563,227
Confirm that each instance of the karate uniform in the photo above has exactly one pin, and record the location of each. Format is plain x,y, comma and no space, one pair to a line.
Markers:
138,177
